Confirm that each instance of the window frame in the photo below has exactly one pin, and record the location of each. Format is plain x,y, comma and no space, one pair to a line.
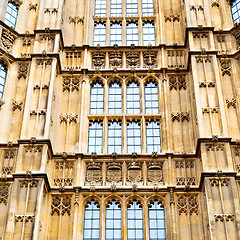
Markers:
100,9
95,127
97,98
133,91
116,5
154,145
114,137
117,109
148,97
115,33
148,35
131,34
99,36
235,9
149,10
3,77
11,8
130,7
132,128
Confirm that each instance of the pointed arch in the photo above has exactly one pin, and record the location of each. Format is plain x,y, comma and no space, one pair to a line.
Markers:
151,78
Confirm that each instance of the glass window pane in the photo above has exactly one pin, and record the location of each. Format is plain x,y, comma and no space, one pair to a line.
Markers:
153,137
3,75
100,7
133,98
148,34
236,11
11,15
116,7
99,35
95,137
132,7
132,34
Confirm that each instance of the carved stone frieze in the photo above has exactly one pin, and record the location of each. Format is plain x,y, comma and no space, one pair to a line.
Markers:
4,192
33,148
94,172
215,147
61,204
187,203
134,173
177,82
7,39
155,172
180,116
185,181
207,84
46,62
133,59
225,66
172,18
23,218
203,58
70,83
224,217
50,10
17,105
23,70
76,19
28,182
66,182
98,60
210,110
39,112
114,172
7,170
231,102
68,118
150,58
223,181
176,58
47,36
115,59
9,153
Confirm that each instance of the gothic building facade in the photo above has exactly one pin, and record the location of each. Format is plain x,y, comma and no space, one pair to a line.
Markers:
119,119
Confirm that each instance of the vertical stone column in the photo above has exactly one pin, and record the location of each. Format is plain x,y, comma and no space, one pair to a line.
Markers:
3,9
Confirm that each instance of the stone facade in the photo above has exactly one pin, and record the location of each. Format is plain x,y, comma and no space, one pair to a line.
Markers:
46,173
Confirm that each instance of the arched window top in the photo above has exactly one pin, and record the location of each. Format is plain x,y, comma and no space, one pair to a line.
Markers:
151,84
11,14
92,204
236,11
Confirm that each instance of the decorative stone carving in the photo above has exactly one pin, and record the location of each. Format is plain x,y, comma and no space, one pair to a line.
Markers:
114,172
61,204
32,6
24,218
68,118
76,19
17,105
185,181
94,172
177,82
176,58
50,10
66,182
98,60
134,173
30,183
133,59
224,217
210,110
155,172
203,58
33,148
4,192
215,147
40,112
7,39
115,59
48,36
200,35
225,66
70,83
231,102
7,170
180,116
220,181
22,70
215,3
207,84
9,154
150,58
172,18
187,204
46,62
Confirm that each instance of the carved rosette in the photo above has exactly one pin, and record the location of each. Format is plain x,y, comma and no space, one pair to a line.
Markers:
134,173
114,172
155,172
94,172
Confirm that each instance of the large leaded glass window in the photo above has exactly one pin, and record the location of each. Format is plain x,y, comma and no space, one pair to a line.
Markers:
134,143
99,35
132,7
148,34
11,14
147,7
97,99
156,221
95,137
116,34
92,221
134,221
115,99
153,137
236,11
113,221
3,75
116,7
132,34
100,7
114,137
133,98
151,98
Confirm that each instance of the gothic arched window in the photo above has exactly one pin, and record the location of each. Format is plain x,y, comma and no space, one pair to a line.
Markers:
153,137
236,11
151,98
114,137
135,221
134,143
3,76
95,137
156,214
100,7
115,99
148,34
11,14
133,98
92,221
132,34
113,221
97,99
99,35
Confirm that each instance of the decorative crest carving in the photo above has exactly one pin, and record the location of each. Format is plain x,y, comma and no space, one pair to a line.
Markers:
134,173
114,172
98,60
133,59
115,59
94,172
155,172
150,58
7,39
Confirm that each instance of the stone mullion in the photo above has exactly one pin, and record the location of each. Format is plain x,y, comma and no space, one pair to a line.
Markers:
102,221
3,9
124,218
197,97
108,28
145,221
124,32
144,137
140,32
50,99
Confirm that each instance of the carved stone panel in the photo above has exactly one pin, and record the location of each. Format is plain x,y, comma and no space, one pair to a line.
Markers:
114,172
155,172
98,60
133,59
115,59
94,172
4,192
61,204
134,173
